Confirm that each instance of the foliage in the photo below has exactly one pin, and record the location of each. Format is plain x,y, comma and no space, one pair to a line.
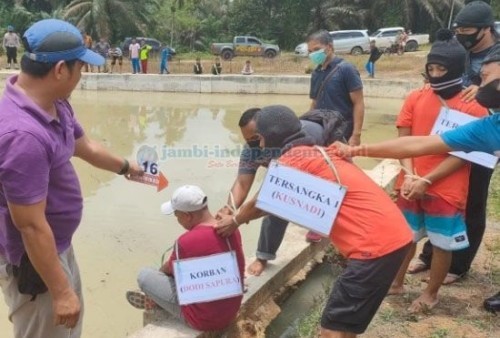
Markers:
192,25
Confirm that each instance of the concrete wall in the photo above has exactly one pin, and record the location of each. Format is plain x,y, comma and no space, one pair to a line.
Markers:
228,84
232,84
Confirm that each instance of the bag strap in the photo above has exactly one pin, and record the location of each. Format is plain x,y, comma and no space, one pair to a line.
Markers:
443,102
329,162
327,78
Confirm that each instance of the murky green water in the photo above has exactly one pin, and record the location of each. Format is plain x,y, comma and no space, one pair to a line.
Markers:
122,228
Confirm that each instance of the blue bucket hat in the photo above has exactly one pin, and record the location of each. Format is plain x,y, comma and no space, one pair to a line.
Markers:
52,40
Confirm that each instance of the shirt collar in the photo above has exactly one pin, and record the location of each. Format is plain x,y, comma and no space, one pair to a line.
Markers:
24,102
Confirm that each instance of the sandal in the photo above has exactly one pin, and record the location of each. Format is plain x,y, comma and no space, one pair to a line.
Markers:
448,280
417,266
139,300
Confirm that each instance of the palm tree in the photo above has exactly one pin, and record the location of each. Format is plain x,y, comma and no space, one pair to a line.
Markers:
107,17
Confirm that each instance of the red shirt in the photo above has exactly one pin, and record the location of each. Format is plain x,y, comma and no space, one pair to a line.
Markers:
202,240
368,224
419,113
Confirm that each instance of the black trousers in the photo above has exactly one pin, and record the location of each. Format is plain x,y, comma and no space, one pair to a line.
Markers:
475,220
11,55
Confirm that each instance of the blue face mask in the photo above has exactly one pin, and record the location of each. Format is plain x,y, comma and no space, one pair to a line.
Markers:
318,57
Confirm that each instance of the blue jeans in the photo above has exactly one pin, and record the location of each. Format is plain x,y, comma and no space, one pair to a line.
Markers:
370,68
135,66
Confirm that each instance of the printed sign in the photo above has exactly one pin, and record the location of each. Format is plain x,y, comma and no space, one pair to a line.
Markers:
209,278
301,198
147,158
449,119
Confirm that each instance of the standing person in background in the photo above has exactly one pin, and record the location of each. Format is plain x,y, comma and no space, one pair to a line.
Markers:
474,29
41,201
116,54
88,42
374,56
165,53
216,67
133,50
11,44
336,85
102,48
197,67
144,56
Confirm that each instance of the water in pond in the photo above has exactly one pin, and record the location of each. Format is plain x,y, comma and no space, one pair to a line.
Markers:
122,228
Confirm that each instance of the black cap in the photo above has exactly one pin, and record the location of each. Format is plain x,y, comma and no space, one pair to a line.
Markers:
475,14
448,52
493,55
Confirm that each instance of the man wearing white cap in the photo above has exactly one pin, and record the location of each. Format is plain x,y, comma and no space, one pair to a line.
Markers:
189,205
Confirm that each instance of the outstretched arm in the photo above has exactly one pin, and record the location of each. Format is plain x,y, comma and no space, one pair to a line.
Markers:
403,147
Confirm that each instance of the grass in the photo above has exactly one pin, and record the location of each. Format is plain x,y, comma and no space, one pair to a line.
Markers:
494,197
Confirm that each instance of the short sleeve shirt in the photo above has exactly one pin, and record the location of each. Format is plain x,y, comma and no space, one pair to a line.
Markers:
134,50
419,112
481,135
336,93
35,166
369,224
202,240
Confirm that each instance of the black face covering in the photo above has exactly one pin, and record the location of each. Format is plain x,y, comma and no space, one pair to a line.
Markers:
469,40
254,143
488,96
444,86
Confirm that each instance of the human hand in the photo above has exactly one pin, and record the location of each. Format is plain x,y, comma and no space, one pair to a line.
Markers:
224,211
66,308
134,170
225,225
469,93
342,150
417,190
406,187
355,140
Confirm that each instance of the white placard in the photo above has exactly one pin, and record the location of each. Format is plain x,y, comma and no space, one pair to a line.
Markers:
449,119
301,198
209,278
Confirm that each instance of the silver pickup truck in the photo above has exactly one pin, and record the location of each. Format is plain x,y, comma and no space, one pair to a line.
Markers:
244,46
385,37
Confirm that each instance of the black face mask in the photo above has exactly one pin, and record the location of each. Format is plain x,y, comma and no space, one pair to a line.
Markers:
488,96
254,143
469,40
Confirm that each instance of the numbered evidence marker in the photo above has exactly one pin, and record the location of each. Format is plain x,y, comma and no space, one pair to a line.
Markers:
147,157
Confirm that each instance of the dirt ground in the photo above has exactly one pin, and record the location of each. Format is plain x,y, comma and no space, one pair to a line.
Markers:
459,314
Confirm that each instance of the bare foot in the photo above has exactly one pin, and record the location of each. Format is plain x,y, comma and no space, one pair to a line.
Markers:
256,267
423,303
396,290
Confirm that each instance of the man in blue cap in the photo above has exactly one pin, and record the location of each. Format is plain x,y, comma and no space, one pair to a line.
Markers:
40,198
11,44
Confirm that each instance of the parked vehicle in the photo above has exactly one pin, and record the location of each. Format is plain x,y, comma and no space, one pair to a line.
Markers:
386,37
355,42
244,46
497,27
156,44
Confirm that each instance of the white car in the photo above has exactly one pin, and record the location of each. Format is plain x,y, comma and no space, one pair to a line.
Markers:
355,42
386,37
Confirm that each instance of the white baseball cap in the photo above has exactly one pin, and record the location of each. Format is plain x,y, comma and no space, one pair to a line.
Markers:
187,198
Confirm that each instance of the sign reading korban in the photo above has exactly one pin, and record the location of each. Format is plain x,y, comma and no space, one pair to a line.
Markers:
208,278
301,198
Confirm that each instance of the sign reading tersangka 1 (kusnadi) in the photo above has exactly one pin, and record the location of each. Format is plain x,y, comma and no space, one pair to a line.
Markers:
301,198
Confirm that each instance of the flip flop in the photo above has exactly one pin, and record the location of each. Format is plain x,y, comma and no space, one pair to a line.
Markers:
448,280
416,267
